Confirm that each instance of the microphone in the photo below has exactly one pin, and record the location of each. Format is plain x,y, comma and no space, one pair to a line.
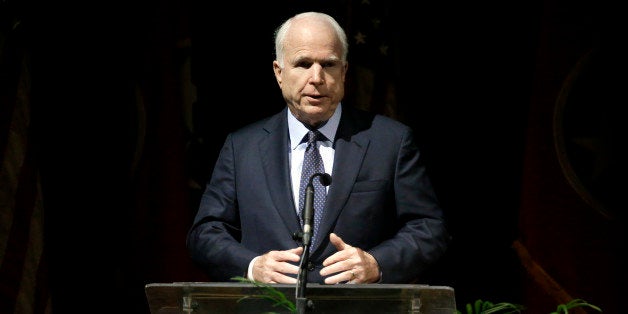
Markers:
308,209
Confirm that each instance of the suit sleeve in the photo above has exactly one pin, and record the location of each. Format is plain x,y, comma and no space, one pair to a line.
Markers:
214,238
422,237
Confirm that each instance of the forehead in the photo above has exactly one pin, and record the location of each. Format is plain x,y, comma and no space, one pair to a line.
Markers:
312,39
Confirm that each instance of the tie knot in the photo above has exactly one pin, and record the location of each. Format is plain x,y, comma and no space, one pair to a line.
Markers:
313,136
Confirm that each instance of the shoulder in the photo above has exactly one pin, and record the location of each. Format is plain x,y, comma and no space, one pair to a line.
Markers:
382,121
261,127
375,123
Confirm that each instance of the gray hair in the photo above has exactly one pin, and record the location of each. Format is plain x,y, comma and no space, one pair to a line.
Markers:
282,30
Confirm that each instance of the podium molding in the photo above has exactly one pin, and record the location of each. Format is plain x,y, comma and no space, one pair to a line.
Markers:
226,297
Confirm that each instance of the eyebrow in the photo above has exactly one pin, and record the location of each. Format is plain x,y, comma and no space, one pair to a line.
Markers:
309,59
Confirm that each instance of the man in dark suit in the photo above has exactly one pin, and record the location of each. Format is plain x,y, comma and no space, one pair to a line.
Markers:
381,220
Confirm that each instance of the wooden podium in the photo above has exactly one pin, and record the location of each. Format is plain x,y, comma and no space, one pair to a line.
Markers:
224,297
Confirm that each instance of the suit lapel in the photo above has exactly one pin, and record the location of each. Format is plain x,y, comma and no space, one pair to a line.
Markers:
273,150
352,146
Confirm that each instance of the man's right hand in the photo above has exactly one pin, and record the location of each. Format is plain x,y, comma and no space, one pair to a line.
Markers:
272,266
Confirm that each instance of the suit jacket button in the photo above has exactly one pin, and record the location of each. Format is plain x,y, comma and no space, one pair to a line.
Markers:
310,266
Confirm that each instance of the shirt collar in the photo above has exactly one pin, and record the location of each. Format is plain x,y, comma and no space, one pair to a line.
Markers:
298,130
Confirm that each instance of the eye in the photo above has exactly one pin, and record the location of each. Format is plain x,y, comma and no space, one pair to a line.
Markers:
330,64
303,64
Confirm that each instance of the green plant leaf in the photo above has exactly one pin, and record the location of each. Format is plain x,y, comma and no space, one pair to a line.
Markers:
504,307
469,308
486,307
269,293
575,303
477,308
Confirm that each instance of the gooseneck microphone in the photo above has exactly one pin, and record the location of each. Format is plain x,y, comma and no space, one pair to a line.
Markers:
302,303
308,209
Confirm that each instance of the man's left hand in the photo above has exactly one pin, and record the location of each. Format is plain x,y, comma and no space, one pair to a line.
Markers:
350,264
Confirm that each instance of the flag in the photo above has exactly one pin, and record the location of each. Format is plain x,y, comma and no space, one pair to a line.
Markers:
372,75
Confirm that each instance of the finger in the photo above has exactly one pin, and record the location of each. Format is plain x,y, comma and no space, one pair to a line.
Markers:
277,273
277,277
335,258
297,250
281,278
349,254
272,266
352,278
348,276
288,255
337,263
337,242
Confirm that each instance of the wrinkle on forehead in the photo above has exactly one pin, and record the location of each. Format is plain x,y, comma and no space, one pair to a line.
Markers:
304,42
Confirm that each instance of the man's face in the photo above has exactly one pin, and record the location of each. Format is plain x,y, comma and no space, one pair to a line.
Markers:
313,77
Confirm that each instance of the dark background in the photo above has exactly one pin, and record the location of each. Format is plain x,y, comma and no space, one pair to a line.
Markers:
112,115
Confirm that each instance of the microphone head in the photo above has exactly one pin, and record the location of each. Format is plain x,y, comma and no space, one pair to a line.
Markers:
325,179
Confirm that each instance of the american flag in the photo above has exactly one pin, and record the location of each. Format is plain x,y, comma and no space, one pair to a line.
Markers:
372,45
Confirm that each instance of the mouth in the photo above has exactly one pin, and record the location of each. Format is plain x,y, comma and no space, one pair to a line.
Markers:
315,97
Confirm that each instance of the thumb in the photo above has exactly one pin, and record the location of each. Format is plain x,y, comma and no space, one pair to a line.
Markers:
337,242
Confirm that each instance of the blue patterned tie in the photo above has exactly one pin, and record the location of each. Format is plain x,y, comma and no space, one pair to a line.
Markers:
312,163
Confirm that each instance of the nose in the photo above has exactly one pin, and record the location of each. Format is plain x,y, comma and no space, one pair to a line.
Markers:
317,74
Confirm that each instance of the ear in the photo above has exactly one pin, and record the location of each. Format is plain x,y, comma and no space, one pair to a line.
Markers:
278,71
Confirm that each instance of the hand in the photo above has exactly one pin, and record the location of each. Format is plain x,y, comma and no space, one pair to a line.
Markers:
350,264
272,266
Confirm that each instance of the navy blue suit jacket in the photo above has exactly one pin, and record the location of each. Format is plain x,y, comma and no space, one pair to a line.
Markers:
380,200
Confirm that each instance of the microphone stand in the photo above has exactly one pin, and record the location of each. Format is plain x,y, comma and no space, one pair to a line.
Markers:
302,303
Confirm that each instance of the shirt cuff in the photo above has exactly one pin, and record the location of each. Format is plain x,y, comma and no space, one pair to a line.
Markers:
381,275
249,273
